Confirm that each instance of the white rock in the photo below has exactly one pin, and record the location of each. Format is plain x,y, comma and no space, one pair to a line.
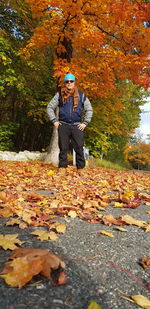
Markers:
22,155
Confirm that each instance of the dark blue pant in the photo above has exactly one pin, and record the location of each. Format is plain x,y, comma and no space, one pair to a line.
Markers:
67,133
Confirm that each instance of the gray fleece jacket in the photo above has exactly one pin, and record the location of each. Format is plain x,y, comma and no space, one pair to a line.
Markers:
66,113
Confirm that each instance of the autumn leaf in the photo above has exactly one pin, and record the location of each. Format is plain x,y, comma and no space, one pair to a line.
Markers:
22,225
60,227
106,233
49,173
42,235
131,221
147,227
29,262
142,301
118,205
72,214
94,305
109,220
10,241
145,262
121,229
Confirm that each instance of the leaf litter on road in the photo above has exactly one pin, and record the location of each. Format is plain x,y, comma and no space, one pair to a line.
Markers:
86,197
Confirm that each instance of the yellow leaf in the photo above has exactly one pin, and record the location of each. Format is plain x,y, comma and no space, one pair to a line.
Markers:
8,241
129,220
72,214
121,229
117,205
22,225
60,228
42,235
147,203
106,233
94,305
50,172
147,228
142,301
21,199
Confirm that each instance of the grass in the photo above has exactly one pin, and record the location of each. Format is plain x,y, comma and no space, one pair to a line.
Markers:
94,162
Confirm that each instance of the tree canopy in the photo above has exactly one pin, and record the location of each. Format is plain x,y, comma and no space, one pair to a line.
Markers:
99,41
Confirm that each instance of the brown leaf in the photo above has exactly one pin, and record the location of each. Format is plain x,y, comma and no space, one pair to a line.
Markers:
109,220
29,262
145,262
131,221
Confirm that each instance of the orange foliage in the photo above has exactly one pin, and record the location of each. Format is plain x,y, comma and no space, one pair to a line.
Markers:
139,153
96,40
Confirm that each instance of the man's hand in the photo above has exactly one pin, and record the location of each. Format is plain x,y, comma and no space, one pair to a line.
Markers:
81,126
57,124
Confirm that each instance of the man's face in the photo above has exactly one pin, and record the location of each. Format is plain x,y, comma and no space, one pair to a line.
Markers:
70,84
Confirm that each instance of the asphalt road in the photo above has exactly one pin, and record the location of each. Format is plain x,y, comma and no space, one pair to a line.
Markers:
115,273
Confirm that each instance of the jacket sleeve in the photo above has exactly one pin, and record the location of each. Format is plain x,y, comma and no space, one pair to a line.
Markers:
51,107
88,111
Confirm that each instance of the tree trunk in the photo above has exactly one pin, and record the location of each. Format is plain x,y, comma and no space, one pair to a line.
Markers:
53,149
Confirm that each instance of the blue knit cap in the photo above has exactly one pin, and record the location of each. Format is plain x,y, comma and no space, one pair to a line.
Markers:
69,76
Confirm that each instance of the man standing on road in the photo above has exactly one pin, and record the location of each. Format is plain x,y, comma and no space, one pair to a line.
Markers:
71,101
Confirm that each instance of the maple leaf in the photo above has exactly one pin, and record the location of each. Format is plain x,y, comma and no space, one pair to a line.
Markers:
42,235
10,241
22,225
142,301
29,262
59,227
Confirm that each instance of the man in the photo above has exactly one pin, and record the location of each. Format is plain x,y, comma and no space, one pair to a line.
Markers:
70,101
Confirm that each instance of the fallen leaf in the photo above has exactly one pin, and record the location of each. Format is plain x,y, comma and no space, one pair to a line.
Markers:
94,305
10,241
22,225
60,228
106,233
117,204
42,235
121,229
29,262
130,220
72,214
49,173
109,220
145,262
142,301
147,227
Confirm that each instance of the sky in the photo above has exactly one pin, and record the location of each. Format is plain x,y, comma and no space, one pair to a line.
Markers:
144,128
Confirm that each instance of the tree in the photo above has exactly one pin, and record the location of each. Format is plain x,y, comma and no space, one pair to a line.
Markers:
137,152
25,86
101,42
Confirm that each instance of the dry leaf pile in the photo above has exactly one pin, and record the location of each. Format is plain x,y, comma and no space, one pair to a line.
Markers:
85,196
